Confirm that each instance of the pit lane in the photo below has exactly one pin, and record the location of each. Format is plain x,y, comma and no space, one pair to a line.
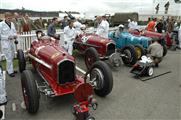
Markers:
131,98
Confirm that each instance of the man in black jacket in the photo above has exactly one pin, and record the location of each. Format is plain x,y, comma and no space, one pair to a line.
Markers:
159,26
52,29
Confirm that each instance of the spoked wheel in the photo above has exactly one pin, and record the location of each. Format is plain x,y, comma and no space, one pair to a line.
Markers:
21,60
130,57
101,78
139,51
30,92
150,71
91,56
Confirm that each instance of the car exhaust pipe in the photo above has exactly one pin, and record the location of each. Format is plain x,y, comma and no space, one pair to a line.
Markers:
40,61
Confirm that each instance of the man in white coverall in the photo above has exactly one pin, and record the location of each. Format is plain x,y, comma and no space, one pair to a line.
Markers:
103,27
179,37
7,37
69,36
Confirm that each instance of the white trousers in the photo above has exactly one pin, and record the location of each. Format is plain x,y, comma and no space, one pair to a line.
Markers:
179,37
2,88
68,45
8,50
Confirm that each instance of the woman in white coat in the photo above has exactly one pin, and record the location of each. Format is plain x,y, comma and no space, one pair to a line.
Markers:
7,37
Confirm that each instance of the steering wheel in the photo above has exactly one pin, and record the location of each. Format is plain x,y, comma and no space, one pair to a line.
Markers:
137,30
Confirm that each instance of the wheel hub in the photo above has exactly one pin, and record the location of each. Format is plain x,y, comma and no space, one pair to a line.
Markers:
97,78
150,71
138,52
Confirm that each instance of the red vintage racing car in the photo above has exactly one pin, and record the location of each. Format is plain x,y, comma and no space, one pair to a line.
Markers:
57,72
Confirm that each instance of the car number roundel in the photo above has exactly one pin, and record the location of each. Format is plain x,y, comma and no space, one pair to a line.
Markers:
84,39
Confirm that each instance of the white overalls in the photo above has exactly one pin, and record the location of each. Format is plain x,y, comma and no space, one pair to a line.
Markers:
103,29
69,36
7,45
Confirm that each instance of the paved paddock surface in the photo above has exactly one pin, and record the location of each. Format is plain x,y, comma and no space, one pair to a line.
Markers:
158,98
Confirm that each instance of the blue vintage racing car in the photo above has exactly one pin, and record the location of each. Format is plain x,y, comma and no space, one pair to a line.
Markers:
137,44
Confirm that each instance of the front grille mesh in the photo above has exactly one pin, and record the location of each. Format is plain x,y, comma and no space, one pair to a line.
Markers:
66,72
110,49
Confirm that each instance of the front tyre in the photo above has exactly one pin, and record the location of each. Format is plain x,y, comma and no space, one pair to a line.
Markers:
130,56
101,78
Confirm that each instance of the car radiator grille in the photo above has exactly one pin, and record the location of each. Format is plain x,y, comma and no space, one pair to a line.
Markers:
110,49
66,72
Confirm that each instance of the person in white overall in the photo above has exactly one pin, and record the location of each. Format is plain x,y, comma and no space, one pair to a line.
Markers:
179,37
69,36
3,99
103,27
7,36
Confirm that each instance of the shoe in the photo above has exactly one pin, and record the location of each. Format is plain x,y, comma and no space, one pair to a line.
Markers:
5,103
12,75
13,72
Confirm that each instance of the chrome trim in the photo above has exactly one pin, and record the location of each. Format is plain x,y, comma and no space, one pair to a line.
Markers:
65,60
40,61
80,70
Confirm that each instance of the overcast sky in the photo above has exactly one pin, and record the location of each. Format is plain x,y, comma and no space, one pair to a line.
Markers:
90,7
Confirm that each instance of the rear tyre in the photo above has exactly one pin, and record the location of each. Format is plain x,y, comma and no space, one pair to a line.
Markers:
30,92
130,57
101,78
21,60
91,56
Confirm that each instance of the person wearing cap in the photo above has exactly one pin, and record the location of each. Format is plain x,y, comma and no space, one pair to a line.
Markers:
156,51
119,30
103,27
